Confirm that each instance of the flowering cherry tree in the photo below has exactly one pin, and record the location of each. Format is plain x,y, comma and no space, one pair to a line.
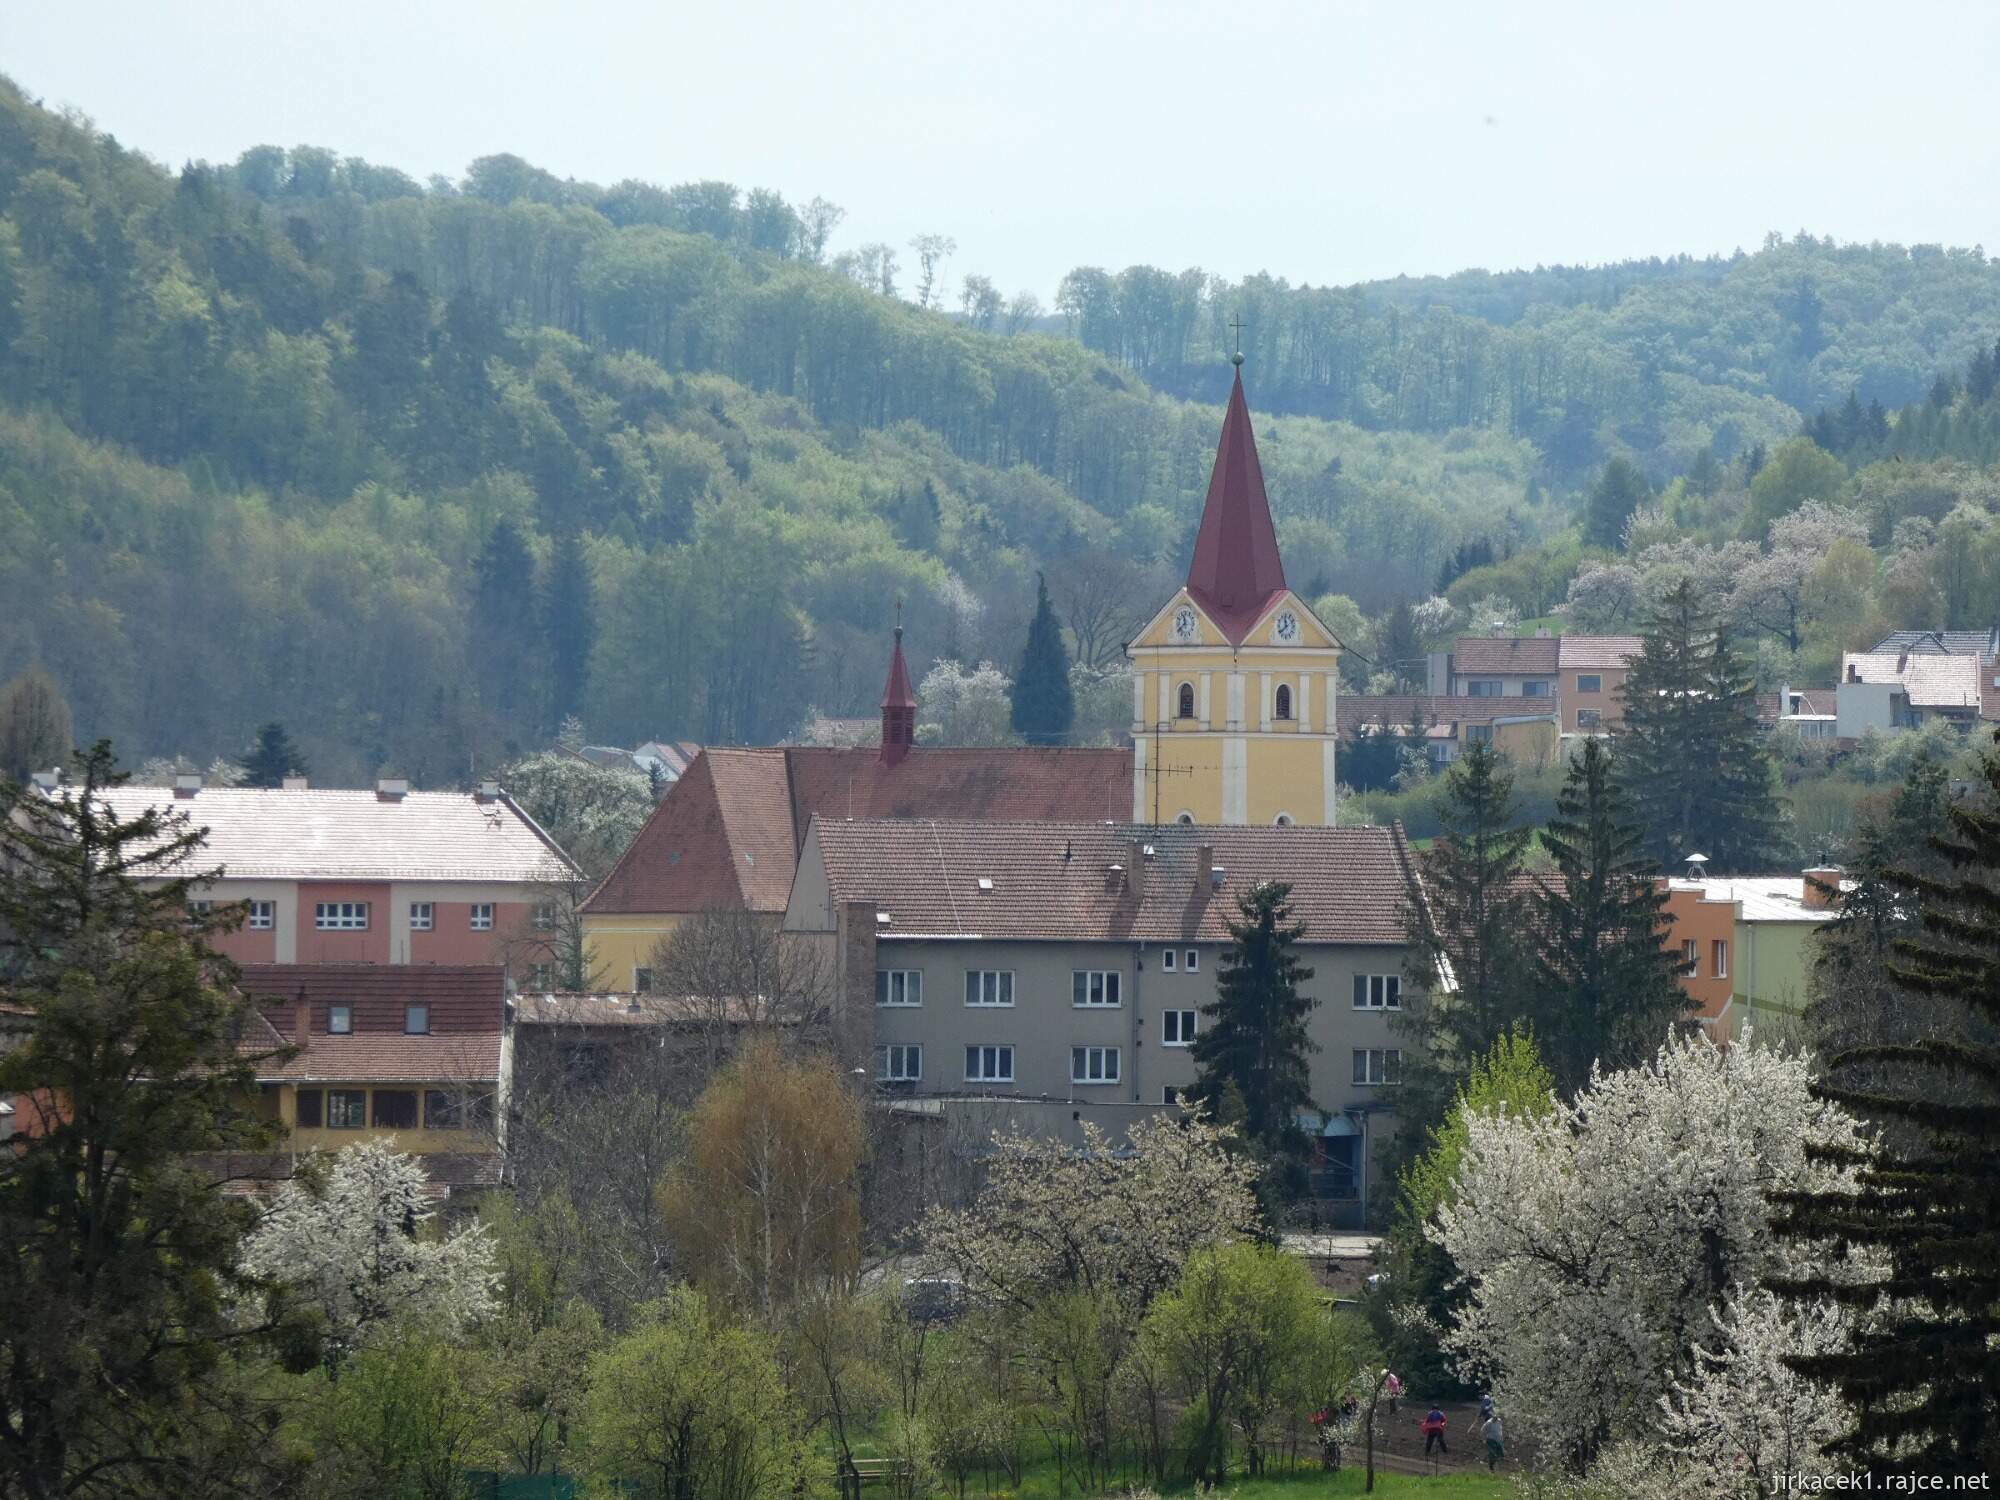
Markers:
1598,1242
352,1241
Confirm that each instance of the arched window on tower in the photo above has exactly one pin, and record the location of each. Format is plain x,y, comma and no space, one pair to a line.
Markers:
1185,706
1284,708
1185,819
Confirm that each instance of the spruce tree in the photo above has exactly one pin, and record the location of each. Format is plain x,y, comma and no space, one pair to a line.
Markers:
569,621
1605,986
1253,1048
1922,1369
1465,917
1043,707
118,1328
1620,490
271,758
1692,761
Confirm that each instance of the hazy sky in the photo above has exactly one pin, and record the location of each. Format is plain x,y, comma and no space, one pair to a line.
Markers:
1325,143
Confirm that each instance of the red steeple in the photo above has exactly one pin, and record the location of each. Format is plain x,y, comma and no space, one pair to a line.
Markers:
899,705
1236,570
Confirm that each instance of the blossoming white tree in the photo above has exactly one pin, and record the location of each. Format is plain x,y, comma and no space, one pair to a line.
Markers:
352,1241
1596,1240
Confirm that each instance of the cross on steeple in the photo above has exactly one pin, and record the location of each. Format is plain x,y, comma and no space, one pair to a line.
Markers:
1237,325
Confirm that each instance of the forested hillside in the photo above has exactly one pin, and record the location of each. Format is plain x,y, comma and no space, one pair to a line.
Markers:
418,469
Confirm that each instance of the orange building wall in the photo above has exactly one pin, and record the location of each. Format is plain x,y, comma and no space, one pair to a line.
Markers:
1607,702
369,947
1705,923
452,940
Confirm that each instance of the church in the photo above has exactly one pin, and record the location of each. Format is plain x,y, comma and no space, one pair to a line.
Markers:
1232,723
1234,679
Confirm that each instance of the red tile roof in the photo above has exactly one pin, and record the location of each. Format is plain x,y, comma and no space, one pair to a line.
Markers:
313,833
1598,650
727,833
1505,655
1348,884
1236,571
467,1018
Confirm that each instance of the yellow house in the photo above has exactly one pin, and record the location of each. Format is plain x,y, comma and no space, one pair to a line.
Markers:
415,1055
1235,679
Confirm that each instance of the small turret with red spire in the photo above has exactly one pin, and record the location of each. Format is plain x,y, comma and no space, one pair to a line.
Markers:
899,704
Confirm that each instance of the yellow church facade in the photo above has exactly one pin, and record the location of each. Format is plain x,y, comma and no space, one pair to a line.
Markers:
1229,732
1235,680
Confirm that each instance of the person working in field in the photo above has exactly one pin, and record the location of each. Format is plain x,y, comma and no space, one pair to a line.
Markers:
1433,1425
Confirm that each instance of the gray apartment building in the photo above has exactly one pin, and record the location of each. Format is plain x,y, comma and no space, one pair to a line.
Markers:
1049,973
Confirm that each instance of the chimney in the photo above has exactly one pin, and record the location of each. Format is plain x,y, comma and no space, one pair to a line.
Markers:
489,791
1822,890
1114,877
1204,870
1853,672
391,789
1135,862
296,783
187,783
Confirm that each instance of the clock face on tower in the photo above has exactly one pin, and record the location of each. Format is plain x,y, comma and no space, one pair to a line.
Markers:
1184,626
1288,627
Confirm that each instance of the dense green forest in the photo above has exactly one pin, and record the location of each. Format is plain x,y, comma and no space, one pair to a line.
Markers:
417,469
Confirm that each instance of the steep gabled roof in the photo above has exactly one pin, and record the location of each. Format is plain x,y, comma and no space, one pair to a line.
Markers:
727,833
1052,881
1236,570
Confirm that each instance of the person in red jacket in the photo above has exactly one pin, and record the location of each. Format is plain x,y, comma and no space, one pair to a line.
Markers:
1433,1425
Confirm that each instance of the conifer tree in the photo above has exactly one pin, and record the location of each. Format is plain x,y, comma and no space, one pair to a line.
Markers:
569,620
1253,1048
1922,1368
1605,989
271,758
1465,917
1692,762
1043,706
118,1254
1620,490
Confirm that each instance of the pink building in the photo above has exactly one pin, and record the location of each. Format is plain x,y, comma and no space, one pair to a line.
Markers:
389,876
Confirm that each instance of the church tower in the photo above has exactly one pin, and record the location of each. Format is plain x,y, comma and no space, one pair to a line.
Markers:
1234,679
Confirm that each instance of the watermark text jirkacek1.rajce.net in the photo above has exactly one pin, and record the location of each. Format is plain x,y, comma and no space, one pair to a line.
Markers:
1886,1484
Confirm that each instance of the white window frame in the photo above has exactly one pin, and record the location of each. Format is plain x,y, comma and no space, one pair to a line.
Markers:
202,906
1536,687
642,980
335,1014
892,983
1192,961
1595,679
998,984
340,916
1718,950
423,916
1479,734
1107,985
481,919
899,1062
1589,718
263,916
1378,1067
411,1015
1690,958
1485,687
1167,959
1178,1027
1378,992
1002,1058
1108,1065
545,916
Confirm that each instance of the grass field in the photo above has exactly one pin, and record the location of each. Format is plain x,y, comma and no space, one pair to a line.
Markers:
1039,1483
